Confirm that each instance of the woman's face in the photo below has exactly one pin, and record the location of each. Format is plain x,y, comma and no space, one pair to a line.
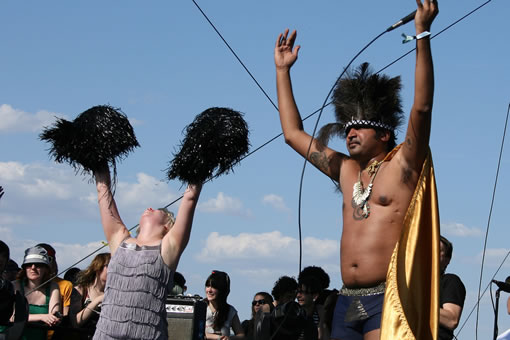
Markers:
102,275
260,303
211,293
35,271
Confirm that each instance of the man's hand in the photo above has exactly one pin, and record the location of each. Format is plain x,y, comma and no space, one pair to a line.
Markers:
425,14
285,55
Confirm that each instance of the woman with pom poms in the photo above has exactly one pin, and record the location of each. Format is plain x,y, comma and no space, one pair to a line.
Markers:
141,269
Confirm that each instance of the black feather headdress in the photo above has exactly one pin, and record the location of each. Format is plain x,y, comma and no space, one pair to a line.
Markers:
98,137
214,142
364,97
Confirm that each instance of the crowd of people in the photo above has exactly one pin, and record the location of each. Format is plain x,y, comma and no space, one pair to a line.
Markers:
296,309
70,308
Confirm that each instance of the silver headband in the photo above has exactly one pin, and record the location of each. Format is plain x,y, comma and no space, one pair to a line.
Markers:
367,123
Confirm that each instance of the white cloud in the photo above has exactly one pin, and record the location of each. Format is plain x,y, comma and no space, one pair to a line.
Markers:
271,245
68,254
224,204
147,191
36,181
458,229
15,120
56,191
276,202
10,171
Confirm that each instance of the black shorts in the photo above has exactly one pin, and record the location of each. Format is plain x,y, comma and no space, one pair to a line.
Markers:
356,315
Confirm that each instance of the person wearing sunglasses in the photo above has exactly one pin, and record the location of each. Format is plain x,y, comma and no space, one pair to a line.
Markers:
42,294
262,301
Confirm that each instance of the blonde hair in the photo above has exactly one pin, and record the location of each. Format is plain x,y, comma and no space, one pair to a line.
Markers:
170,220
170,217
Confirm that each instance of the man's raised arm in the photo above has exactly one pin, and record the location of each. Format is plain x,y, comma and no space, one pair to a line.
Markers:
325,159
113,227
418,131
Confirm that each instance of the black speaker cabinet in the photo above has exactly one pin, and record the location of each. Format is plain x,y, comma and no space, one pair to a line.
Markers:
186,318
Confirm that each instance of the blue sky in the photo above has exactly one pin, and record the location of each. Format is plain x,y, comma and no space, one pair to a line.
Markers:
162,64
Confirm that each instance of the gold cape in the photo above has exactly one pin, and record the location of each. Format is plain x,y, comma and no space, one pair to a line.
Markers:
411,300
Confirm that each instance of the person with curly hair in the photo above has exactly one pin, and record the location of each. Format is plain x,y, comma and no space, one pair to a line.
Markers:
88,294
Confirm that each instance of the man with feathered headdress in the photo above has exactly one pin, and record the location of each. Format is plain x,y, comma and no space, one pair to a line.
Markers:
389,245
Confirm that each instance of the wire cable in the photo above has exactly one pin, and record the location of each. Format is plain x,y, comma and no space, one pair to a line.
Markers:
485,290
235,55
489,220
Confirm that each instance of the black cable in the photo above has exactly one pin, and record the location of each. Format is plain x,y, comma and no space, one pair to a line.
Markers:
235,55
435,35
489,220
485,290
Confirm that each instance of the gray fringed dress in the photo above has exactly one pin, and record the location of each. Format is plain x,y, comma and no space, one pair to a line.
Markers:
137,285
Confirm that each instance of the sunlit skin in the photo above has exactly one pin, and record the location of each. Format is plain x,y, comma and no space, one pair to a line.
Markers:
154,218
367,242
102,276
154,229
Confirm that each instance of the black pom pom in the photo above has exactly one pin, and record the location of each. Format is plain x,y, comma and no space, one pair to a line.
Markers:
215,141
99,136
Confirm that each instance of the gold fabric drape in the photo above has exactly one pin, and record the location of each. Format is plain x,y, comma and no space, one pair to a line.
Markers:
411,300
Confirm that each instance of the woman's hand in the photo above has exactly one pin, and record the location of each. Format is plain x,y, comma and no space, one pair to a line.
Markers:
50,319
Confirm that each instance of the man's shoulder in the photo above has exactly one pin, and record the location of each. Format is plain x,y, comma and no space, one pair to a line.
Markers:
452,280
450,277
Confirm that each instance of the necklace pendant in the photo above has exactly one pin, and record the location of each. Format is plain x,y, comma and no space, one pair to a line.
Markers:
365,210
360,197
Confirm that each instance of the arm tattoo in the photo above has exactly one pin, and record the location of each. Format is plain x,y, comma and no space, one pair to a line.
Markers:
320,160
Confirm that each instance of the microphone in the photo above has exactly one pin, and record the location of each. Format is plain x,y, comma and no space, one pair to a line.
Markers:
402,21
504,286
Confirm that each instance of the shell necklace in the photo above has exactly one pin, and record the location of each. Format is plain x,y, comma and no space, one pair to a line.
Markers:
360,195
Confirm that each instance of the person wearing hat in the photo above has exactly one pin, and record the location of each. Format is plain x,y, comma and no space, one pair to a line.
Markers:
43,296
377,179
